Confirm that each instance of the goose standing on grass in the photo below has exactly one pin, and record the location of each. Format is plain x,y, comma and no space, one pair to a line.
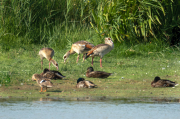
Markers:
158,82
80,47
82,83
48,53
43,82
96,74
52,74
100,50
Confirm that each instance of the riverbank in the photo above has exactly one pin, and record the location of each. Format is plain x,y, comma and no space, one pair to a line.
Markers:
132,74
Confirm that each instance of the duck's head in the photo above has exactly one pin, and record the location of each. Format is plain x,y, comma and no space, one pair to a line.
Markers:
36,77
45,70
80,79
157,78
90,69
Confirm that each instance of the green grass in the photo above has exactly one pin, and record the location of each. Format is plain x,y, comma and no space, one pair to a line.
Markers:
133,70
138,56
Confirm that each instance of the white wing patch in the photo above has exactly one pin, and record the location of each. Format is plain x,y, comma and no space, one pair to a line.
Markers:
42,81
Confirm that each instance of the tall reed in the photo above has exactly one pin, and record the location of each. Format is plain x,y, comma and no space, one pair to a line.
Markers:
130,21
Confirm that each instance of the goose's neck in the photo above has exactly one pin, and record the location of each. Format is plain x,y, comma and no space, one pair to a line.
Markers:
55,64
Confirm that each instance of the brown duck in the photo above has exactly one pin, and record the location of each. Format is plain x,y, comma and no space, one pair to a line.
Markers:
82,83
80,47
43,82
158,82
48,53
96,74
100,50
52,74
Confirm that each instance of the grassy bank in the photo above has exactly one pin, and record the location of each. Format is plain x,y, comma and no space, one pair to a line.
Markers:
142,31
133,70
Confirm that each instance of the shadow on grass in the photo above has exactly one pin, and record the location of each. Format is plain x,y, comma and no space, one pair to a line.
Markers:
55,91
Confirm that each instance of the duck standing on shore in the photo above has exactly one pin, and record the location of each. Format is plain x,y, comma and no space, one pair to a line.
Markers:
43,82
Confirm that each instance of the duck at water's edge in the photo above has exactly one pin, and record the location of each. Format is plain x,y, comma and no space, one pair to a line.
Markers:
43,82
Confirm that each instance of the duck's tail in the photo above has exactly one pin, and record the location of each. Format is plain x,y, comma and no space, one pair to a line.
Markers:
176,84
59,75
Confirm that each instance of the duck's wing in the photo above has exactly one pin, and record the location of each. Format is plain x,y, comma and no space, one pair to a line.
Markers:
46,82
49,75
159,83
89,84
59,75
99,74
169,83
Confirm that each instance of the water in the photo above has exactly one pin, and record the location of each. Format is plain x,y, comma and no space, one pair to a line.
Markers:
111,109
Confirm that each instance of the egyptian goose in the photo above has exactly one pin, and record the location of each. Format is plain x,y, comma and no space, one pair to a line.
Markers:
79,47
100,50
48,53
52,74
43,82
82,83
96,74
158,82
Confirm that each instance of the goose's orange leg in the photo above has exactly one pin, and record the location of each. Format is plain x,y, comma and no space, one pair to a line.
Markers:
45,90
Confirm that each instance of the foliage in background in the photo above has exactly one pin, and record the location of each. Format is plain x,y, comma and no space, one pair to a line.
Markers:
26,22
137,20
169,29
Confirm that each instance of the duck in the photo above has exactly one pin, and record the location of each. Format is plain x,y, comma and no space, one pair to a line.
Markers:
79,47
82,83
52,74
158,82
100,50
43,82
48,53
96,74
